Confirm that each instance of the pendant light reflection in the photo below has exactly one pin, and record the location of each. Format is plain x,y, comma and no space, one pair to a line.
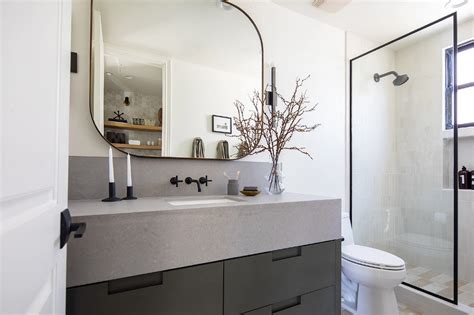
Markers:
454,4
127,98
224,5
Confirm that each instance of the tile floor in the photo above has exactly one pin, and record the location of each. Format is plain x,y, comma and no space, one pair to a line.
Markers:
404,310
440,283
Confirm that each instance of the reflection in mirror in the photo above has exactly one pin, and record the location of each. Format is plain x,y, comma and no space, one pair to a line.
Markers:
165,75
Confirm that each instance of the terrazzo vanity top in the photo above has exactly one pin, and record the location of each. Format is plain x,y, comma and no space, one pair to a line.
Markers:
80,208
147,235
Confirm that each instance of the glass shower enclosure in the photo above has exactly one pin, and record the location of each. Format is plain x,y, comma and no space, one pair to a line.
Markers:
403,161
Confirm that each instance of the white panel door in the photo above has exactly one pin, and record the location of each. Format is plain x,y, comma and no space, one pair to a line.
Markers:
34,120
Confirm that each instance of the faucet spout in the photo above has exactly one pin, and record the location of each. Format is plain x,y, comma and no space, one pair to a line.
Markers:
189,181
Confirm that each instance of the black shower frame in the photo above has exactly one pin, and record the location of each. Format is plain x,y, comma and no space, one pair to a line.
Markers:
452,16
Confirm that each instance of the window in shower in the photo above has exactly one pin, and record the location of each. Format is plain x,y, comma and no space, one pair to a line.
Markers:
465,85
402,192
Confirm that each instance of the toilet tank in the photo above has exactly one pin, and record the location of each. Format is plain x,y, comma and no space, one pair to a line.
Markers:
347,230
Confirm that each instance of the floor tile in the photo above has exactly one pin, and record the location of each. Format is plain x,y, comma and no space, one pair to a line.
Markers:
469,287
411,278
418,270
421,282
448,292
404,310
430,275
460,283
442,279
441,284
466,298
434,287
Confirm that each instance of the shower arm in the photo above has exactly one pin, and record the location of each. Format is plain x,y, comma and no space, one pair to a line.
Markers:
377,76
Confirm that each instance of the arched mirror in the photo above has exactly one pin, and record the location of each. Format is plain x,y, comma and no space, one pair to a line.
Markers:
165,75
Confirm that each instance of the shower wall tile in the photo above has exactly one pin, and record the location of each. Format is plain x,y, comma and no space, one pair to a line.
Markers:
428,211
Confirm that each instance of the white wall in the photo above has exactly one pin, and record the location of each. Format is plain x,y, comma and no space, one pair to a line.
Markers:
197,93
298,46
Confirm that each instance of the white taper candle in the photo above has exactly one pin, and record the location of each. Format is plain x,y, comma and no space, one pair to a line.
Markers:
129,172
111,166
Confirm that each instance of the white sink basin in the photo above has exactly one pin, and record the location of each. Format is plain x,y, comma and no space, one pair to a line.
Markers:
202,201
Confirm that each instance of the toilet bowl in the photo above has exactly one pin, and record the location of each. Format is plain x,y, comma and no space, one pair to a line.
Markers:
369,276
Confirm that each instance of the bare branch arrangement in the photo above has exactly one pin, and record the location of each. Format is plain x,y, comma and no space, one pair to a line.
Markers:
272,130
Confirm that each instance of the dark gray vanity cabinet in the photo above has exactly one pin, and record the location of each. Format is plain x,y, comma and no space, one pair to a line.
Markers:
288,281
194,290
319,302
302,280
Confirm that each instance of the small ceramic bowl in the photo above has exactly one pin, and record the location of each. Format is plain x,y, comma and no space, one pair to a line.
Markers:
250,193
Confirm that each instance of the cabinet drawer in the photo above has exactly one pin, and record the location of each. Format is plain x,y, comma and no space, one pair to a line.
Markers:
193,290
264,279
315,303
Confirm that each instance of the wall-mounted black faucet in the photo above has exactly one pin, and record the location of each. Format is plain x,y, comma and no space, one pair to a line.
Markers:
201,181
189,181
175,181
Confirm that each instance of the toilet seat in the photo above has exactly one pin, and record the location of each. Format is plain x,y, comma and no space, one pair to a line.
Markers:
372,258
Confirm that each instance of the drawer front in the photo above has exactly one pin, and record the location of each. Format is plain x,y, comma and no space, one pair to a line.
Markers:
264,279
193,290
314,303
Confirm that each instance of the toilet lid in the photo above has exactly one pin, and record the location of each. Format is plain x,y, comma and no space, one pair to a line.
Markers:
372,257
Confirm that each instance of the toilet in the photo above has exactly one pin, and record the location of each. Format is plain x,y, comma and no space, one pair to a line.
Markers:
369,276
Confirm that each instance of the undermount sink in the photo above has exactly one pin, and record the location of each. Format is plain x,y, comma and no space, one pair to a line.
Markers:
202,201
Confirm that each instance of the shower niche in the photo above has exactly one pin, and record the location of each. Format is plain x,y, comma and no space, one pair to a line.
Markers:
403,156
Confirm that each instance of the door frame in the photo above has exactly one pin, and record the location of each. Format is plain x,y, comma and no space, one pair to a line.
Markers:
150,59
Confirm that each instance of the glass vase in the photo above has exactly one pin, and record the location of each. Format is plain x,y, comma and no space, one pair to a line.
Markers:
275,180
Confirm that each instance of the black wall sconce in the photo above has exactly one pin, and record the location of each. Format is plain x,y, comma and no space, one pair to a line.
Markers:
271,96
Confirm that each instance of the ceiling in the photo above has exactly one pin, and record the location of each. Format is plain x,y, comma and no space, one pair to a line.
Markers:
377,20
125,74
198,31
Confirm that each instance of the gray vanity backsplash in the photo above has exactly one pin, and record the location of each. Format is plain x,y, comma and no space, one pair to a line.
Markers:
88,176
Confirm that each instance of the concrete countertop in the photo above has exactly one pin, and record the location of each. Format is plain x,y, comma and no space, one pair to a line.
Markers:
129,238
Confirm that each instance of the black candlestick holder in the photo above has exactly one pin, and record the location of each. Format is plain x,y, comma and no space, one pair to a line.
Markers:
112,196
130,195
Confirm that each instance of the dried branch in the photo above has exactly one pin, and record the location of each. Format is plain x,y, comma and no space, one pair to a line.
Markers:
271,131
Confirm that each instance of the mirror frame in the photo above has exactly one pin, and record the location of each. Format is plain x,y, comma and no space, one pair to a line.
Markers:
262,88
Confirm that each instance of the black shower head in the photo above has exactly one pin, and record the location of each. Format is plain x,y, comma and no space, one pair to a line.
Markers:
400,79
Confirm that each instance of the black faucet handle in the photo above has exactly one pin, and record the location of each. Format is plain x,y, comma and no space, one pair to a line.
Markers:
175,181
205,180
190,180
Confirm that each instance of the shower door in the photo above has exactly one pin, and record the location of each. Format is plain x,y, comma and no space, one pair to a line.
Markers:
403,194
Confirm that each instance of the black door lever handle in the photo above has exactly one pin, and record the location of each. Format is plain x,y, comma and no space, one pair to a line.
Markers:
79,228
67,227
